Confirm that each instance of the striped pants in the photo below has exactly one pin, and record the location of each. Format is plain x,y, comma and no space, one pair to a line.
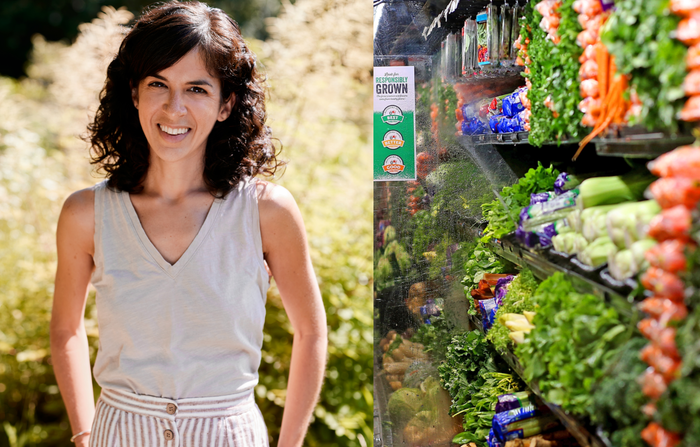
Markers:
124,419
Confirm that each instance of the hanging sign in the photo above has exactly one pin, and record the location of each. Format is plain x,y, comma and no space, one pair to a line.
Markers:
394,124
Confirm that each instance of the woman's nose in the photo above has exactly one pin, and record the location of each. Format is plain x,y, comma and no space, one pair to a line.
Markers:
175,105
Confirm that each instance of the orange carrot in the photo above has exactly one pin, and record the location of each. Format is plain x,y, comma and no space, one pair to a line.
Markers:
609,110
613,69
603,60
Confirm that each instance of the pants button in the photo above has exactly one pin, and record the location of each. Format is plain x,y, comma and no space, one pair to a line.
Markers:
171,408
169,435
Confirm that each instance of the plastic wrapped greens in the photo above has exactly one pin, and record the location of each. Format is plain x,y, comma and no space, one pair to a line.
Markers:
515,31
512,401
505,34
482,38
453,56
522,423
492,33
469,48
565,182
540,213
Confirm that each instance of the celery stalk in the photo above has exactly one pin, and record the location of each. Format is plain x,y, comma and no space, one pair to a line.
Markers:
610,190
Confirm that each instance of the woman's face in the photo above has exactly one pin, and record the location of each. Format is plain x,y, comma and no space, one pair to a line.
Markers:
178,108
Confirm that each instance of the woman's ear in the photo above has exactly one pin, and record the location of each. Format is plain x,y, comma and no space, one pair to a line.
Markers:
226,107
135,96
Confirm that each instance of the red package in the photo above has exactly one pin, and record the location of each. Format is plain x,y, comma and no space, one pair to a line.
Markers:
688,30
588,7
663,309
588,70
666,340
586,38
692,60
669,367
588,52
684,7
583,20
672,191
671,223
589,87
663,284
668,255
653,384
649,410
662,336
588,120
681,162
649,327
691,84
590,105
657,436
691,110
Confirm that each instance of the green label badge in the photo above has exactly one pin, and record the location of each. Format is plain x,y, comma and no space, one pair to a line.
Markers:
394,124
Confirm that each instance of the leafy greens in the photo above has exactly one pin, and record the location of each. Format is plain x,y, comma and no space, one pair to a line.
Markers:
504,212
573,340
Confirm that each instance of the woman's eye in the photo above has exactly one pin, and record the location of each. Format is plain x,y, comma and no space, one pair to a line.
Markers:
156,84
198,90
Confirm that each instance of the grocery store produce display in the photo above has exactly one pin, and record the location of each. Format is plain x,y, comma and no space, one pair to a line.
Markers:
560,306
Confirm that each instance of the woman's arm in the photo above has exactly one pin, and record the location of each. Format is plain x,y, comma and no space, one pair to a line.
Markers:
69,345
287,253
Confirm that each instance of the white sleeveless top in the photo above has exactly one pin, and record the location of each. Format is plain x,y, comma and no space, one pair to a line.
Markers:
191,329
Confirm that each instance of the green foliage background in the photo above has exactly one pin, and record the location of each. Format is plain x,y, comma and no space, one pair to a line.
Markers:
320,109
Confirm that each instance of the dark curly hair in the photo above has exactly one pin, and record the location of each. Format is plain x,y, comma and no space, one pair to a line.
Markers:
237,148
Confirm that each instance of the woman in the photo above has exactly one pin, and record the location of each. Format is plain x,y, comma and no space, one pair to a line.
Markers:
179,242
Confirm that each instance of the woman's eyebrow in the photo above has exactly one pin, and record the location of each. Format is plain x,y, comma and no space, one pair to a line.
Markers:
197,82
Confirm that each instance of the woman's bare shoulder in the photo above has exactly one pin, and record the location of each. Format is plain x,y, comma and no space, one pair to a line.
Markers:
272,197
77,220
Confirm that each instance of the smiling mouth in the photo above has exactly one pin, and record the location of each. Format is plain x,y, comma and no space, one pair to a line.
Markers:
173,130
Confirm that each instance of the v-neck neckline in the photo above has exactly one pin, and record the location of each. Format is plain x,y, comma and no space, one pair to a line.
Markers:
171,269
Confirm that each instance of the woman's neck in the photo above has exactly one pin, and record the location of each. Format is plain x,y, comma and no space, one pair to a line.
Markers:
174,180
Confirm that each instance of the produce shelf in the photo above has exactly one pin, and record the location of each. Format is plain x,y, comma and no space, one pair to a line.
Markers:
639,143
500,138
545,262
578,430
455,13
628,142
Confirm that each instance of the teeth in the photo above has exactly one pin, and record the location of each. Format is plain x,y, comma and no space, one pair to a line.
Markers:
173,131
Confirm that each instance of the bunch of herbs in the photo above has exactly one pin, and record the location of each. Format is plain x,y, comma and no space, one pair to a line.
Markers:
518,299
471,373
574,338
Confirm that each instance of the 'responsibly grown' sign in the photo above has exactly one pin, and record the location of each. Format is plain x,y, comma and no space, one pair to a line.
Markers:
394,124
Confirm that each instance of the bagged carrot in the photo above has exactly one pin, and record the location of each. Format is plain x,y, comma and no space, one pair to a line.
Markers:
684,7
691,110
668,255
657,436
665,365
653,384
663,283
663,309
671,223
681,162
672,191
692,59
688,30
691,85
